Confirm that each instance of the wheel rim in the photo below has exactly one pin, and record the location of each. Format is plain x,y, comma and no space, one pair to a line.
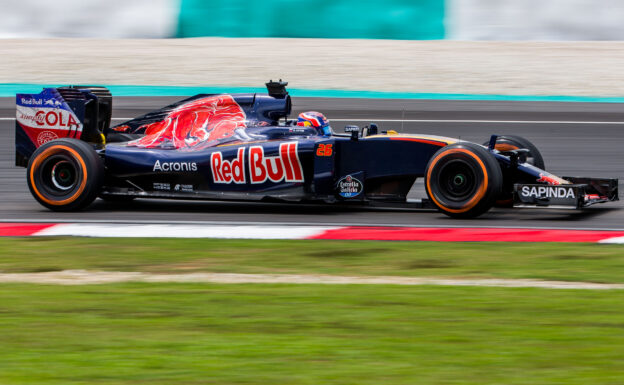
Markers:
457,181
59,175
64,175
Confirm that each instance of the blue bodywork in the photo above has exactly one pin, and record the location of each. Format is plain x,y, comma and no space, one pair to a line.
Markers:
244,147
385,165
387,168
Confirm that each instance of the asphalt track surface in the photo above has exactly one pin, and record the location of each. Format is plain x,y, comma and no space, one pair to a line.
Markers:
580,139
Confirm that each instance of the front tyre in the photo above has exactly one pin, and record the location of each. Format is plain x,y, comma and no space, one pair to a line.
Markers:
65,175
533,157
515,142
463,180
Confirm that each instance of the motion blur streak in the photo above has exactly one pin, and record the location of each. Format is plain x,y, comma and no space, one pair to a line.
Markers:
535,20
392,19
93,18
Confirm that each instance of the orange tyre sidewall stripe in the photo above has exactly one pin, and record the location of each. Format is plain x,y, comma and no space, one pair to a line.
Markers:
51,151
475,199
505,147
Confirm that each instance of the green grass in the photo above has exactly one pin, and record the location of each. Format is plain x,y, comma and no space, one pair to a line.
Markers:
140,333
308,334
553,261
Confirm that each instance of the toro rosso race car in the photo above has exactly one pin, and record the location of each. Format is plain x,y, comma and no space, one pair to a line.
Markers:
244,147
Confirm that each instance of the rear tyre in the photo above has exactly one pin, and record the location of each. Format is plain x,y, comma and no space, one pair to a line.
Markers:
463,180
65,174
514,142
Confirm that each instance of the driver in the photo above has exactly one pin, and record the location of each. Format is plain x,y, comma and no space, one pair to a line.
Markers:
316,120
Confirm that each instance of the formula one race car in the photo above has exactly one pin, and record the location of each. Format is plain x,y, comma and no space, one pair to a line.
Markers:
244,147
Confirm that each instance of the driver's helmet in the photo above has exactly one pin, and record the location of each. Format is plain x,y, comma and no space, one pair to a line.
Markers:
316,120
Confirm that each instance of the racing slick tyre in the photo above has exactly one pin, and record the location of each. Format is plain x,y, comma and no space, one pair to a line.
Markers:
65,174
514,142
533,157
463,180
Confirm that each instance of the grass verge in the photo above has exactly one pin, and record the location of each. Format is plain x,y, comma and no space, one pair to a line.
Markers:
550,261
308,334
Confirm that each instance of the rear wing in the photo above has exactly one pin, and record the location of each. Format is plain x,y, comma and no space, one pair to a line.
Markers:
79,112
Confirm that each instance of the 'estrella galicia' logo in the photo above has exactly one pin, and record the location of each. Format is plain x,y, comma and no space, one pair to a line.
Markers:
349,187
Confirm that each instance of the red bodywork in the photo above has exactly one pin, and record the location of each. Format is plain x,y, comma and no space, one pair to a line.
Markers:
200,123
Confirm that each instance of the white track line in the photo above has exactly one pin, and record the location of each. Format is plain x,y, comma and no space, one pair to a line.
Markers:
438,121
83,277
185,231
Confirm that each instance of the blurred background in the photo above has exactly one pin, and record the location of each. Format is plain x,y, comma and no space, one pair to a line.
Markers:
368,19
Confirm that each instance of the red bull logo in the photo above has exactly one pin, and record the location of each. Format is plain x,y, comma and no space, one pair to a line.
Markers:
228,171
285,166
199,123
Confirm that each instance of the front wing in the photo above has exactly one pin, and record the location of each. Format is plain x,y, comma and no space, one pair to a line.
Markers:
583,192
